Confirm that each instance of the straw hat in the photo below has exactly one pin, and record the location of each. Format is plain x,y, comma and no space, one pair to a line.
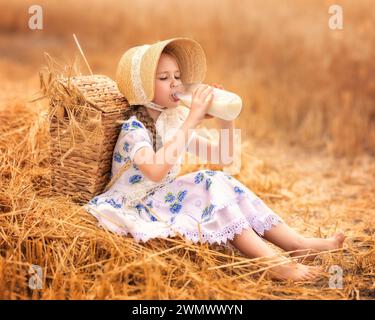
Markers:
136,71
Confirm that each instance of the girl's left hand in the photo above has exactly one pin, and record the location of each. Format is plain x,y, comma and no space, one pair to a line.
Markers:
215,85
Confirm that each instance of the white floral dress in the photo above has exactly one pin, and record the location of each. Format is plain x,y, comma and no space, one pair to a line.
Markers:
202,206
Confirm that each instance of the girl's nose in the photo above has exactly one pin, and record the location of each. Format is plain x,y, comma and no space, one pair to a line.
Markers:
176,83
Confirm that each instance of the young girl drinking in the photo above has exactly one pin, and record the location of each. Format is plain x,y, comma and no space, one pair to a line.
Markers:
148,199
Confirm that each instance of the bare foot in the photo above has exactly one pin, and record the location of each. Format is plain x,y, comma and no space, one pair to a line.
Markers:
311,246
294,271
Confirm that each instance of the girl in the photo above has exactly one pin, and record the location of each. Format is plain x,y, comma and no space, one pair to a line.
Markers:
146,198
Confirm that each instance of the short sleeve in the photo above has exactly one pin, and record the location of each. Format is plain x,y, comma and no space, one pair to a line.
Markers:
134,136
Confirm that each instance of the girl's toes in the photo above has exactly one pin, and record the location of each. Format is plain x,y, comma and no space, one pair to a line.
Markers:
339,237
314,272
318,270
308,275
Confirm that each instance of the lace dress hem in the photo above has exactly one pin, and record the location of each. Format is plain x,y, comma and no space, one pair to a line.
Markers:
219,237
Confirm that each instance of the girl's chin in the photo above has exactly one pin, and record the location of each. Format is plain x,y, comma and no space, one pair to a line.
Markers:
169,104
172,104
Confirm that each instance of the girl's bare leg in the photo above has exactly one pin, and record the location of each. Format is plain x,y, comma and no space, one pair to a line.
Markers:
249,243
288,239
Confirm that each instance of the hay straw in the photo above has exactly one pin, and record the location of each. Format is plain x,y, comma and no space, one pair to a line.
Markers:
83,55
314,193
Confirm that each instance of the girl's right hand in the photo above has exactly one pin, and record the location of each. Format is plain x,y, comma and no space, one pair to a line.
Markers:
201,100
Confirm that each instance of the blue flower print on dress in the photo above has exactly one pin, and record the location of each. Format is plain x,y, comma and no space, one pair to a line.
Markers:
169,197
131,124
136,124
175,200
117,157
94,201
141,207
206,215
181,195
113,203
135,178
238,190
210,172
126,147
198,178
125,126
208,183
175,207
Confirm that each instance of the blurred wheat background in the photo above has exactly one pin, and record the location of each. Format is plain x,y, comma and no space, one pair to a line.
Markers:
308,144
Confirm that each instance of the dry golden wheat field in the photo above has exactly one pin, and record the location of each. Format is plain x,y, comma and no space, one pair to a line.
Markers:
307,147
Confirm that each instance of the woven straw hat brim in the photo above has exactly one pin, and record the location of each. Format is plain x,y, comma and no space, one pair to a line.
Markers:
190,58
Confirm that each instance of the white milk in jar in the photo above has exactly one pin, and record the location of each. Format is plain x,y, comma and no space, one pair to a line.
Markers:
225,105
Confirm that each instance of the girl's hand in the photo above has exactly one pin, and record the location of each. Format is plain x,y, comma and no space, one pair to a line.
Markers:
201,101
219,86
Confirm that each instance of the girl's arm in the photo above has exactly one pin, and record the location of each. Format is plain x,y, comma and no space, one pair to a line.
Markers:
155,165
217,153
213,151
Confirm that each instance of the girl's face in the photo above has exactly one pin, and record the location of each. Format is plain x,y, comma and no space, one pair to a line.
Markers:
167,81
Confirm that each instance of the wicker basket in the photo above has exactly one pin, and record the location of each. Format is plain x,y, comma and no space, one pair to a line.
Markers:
85,115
